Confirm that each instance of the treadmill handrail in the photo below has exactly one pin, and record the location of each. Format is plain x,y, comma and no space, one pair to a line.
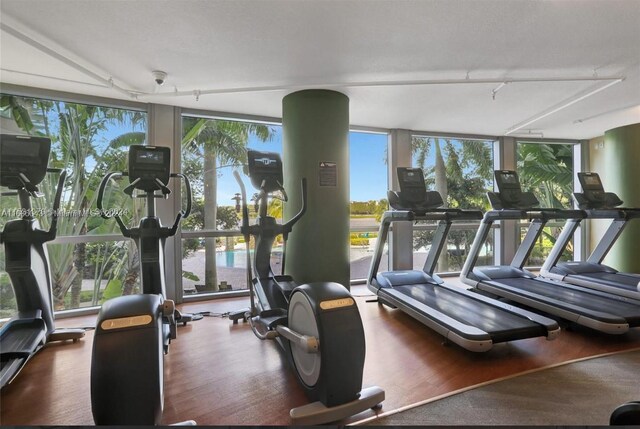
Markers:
453,215
533,213
613,213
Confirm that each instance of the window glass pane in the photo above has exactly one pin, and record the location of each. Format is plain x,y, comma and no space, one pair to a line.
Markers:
461,170
211,150
368,193
87,141
547,171
457,248
110,269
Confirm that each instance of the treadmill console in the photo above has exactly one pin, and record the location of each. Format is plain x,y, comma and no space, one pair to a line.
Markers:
510,195
265,170
412,186
413,194
593,195
23,160
147,165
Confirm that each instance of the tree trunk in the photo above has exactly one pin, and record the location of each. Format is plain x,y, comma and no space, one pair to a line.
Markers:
210,216
133,271
441,187
79,258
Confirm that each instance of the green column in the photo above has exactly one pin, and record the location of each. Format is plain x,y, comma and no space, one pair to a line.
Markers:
622,159
316,146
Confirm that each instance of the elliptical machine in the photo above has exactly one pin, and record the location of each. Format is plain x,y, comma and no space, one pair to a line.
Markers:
317,324
23,165
133,332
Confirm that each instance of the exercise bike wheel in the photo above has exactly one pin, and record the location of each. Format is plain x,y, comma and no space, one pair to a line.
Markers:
326,311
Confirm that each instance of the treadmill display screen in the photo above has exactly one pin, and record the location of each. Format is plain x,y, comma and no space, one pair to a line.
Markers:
592,181
412,177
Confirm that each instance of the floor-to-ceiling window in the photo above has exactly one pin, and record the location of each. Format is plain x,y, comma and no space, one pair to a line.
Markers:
368,195
89,260
213,251
547,170
461,170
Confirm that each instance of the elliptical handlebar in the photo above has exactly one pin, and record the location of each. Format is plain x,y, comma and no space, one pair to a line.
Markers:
104,214
243,195
103,185
289,224
51,233
183,213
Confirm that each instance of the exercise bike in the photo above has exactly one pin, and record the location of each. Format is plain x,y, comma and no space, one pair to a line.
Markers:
133,332
23,166
317,324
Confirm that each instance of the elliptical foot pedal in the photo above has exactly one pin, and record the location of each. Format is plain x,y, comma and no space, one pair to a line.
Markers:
186,423
272,318
317,413
189,317
234,316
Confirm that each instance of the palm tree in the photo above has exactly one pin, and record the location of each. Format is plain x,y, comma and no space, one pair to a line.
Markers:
547,171
461,173
220,144
74,130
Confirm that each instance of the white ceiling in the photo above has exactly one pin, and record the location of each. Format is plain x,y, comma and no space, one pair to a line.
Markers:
279,46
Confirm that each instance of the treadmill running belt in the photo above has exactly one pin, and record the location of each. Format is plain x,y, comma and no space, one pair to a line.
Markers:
613,305
500,324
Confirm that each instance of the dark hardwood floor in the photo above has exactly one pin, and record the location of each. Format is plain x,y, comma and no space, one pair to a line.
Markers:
220,374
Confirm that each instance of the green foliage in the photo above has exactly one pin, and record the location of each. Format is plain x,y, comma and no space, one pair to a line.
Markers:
466,167
357,241
79,145
14,108
7,298
190,276
547,170
371,207
113,289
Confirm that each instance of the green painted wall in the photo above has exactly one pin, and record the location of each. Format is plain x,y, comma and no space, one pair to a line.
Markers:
621,161
316,130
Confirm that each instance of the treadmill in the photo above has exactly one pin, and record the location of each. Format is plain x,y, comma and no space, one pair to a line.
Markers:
595,309
592,273
473,321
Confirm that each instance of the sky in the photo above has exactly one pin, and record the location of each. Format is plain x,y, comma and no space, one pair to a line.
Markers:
368,153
